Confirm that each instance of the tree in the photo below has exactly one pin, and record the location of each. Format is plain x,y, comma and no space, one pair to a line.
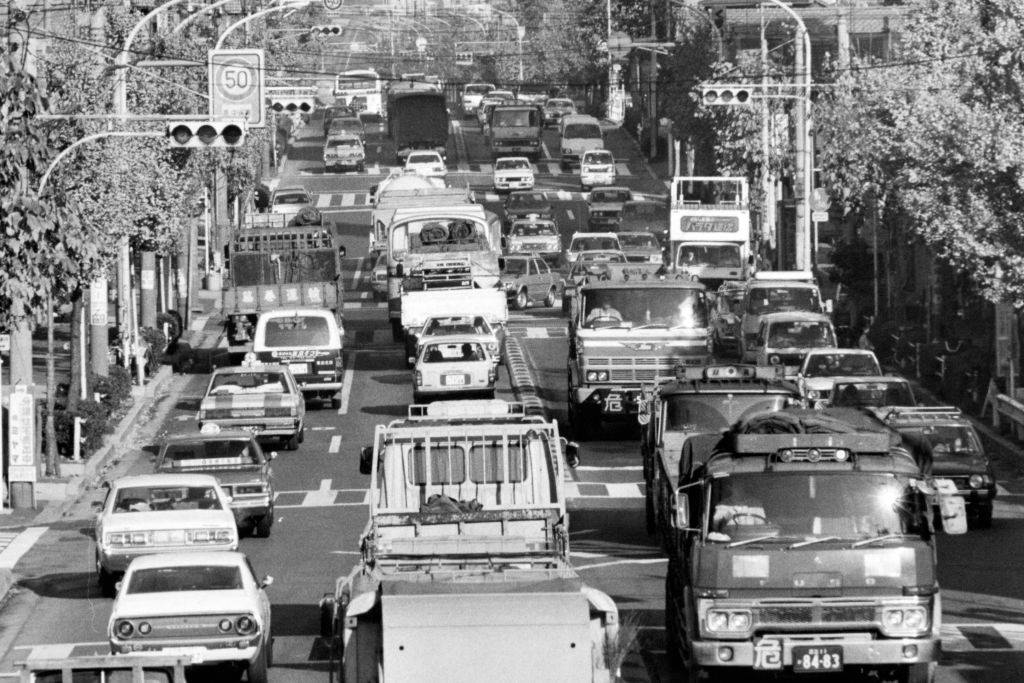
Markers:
938,134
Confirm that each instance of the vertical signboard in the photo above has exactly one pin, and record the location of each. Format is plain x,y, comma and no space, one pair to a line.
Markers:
237,86
1006,333
98,302
21,436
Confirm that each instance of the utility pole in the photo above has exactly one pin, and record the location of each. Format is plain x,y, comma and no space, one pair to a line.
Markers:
767,176
652,102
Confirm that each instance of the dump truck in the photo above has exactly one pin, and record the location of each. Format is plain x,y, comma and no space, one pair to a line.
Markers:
628,328
464,572
280,262
803,541
417,119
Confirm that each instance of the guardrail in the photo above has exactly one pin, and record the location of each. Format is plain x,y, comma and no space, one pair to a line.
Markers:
1005,409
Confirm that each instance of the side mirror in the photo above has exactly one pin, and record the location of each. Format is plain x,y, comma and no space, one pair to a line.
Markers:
501,261
412,360
117,587
399,270
828,306
366,460
681,504
267,581
572,454
342,251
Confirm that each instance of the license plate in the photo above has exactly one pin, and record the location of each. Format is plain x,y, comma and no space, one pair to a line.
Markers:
247,412
454,380
815,658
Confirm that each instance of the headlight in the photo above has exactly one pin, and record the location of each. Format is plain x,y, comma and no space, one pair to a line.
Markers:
492,347
976,481
905,620
728,620
597,375
145,628
774,360
225,625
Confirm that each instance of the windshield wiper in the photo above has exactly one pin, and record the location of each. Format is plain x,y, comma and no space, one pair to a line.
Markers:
876,539
648,326
755,539
812,541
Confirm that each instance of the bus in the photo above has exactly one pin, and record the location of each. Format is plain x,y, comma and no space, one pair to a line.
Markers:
365,84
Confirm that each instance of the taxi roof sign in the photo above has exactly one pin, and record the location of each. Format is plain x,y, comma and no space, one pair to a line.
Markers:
210,428
788,275
250,360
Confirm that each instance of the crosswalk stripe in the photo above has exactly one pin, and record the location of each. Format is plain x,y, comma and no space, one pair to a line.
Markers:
621,168
335,444
19,545
323,201
348,199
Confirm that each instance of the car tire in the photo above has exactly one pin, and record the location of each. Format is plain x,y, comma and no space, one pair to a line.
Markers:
291,443
261,529
257,671
108,585
551,298
522,300
397,331
302,428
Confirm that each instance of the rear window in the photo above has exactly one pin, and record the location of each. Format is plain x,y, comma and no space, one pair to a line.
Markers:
506,164
209,454
298,331
424,159
588,131
479,89
174,579
292,198
249,383
588,243
601,158
164,498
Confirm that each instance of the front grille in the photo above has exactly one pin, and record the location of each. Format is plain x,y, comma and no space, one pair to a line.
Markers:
798,615
632,370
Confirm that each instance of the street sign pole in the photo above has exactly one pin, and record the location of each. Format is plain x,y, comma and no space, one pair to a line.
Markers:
5,347
237,85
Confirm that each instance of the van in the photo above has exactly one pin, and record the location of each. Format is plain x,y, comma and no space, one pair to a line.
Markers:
783,339
579,133
597,167
309,341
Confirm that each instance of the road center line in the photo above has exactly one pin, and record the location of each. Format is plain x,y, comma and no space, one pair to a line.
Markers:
346,383
335,444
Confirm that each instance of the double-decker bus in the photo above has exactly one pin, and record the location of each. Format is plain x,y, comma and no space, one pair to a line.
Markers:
364,84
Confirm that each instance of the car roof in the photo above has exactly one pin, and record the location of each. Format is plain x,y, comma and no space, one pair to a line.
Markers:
595,234
166,479
290,190
526,159
457,318
222,435
453,339
844,351
225,558
795,316
343,135
245,369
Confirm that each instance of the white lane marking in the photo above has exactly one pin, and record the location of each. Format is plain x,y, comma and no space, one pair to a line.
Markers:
622,168
199,322
321,429
346,384
624,490
325,484
348,199
570,214
610,468
20,545
323,201
564,196
1001,491
544,148
572,490
554,169
335,445
358,276
323,497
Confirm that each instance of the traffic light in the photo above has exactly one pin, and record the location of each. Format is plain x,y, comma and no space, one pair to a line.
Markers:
726,94
464,58
292,104
329,30
230,133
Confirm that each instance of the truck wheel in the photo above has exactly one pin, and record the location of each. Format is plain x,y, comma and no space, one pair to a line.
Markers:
108,586
257,670
522,300
291,443
549,300
397,331
327,616
262,528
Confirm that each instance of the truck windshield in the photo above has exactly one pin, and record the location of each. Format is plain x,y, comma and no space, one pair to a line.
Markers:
800,334
592,243
716,191
588,131
638,242
515,118
810,505
298,331
433,235
713,255
636,306
597,158
868,394
776,299
707,413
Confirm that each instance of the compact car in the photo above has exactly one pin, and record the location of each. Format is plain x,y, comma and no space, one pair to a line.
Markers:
289,200
428,164
491,336
513,173
238,462
528,280
536,236
823,367
597,167
591,241
555,108
344,152
261,397
159,513
641,247
207,604
523,204
456,366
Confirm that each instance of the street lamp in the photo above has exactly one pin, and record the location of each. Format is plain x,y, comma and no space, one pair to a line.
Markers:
804,150
287,5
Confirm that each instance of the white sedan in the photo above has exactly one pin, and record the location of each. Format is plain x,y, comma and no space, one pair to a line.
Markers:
427,164
158,513
513,173
209,605
456,366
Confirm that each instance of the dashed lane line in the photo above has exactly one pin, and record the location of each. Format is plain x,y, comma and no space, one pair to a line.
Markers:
335,446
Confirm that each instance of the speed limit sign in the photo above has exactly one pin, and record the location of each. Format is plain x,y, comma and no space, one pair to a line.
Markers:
236,85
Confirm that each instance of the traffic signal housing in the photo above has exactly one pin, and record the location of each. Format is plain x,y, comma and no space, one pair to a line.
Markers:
726,94
206,134
292,99
328,30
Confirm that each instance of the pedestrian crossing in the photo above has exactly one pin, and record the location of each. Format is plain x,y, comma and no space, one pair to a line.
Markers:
360,201
540,168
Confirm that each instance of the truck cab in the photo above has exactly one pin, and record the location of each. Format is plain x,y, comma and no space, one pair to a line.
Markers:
784,339
775,292
799,542
578,133
709,228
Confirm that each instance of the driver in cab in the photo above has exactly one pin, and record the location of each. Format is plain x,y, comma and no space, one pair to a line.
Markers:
603,312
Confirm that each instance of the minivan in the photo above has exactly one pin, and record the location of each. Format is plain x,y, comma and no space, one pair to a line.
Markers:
578,133
309,341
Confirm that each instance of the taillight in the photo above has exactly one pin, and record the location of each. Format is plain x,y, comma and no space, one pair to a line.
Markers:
124,628
419,378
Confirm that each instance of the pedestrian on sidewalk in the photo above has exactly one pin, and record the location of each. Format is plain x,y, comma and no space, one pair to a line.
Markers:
864,340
